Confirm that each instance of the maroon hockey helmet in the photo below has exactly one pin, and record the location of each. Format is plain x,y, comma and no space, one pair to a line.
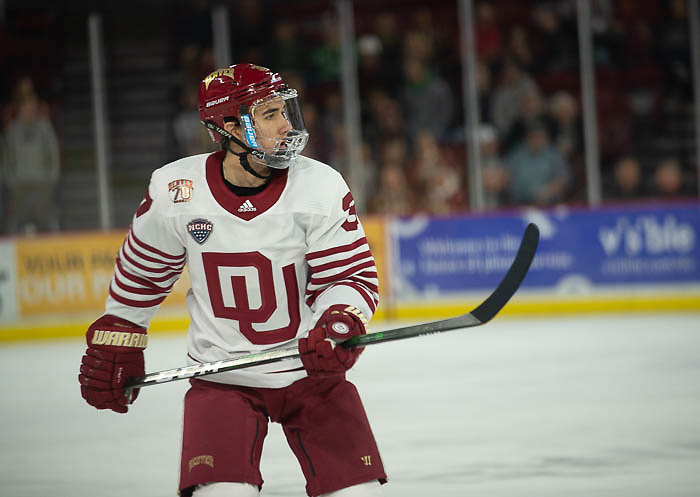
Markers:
237,92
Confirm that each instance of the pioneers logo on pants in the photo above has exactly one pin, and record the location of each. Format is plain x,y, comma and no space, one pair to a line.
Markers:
196,461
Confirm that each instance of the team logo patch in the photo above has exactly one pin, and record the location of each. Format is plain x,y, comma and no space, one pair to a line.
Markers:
200,229
180,190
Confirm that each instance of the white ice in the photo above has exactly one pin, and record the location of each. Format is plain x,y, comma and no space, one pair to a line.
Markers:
580,406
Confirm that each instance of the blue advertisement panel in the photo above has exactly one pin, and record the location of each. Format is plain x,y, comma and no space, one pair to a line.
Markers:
578,249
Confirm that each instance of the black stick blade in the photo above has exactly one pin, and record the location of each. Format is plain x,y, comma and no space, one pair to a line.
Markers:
513,278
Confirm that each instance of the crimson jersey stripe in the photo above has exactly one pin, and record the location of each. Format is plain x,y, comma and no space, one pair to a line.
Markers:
336,250
148,268
336,277
141,281
371,286
368,274
342,262
145,246
368,296
158,279
137,290
135,303
145,257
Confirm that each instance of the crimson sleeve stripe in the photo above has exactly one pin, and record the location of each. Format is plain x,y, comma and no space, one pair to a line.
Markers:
139,280
146,246
151,259
336,250
362,291
313,296
135,303
133,289
368,274
371,302
342,262
340,276
371,286
147,268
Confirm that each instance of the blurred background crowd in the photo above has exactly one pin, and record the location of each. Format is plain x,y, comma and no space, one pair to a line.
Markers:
413,156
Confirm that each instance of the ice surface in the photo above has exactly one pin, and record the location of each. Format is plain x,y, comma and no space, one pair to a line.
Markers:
587,405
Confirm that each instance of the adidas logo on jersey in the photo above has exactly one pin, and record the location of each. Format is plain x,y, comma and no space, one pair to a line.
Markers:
247,206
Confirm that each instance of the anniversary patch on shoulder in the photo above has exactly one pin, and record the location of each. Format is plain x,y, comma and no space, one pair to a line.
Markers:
180,190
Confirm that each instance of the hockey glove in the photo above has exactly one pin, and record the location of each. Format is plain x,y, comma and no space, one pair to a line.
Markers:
319,353
114,353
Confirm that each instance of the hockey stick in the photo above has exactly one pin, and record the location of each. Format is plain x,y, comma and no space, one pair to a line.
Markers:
478,316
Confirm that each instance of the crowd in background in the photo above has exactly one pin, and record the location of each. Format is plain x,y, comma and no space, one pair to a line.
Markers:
413,151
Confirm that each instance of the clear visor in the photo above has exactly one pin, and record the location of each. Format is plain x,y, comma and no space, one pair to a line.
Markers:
275,128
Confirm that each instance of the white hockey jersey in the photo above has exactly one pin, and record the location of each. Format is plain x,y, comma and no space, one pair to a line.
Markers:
263,267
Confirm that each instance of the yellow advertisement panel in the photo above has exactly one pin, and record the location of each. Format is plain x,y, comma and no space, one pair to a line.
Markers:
376,237
71,273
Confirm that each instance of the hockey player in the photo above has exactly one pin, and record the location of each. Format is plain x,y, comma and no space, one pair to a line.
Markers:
276,255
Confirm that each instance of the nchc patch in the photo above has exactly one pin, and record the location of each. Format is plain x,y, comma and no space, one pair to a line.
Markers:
200,229
180,190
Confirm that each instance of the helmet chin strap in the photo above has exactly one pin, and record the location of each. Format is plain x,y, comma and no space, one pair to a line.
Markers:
243,159
242,156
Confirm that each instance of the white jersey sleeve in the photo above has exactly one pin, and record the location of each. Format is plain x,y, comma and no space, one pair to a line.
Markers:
342,266
149,262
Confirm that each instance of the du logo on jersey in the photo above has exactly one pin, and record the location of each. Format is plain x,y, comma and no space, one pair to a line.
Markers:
200,229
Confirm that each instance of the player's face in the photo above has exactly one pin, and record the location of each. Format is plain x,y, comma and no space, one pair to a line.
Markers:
271,124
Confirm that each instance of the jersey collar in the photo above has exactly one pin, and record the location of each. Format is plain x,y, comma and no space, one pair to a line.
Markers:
244,207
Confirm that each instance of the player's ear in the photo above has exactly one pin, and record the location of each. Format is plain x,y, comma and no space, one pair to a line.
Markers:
234,128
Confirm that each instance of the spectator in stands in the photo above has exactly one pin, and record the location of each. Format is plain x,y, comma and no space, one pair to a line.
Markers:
438,36
384,120
23,89
626,180
519,49
386,28
484,91
371,71
538,172
318,146
505,102
489,39
566,126
669,181
325,56
674,50
286,51
31,167
493,169
556,41
531,110
436,181
249,18
191,137
426,99
393,195
418,45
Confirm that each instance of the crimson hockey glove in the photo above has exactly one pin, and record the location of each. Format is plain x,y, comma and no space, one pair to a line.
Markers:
114,353
319,353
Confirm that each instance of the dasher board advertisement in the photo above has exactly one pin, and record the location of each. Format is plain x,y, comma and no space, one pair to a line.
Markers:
579,250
